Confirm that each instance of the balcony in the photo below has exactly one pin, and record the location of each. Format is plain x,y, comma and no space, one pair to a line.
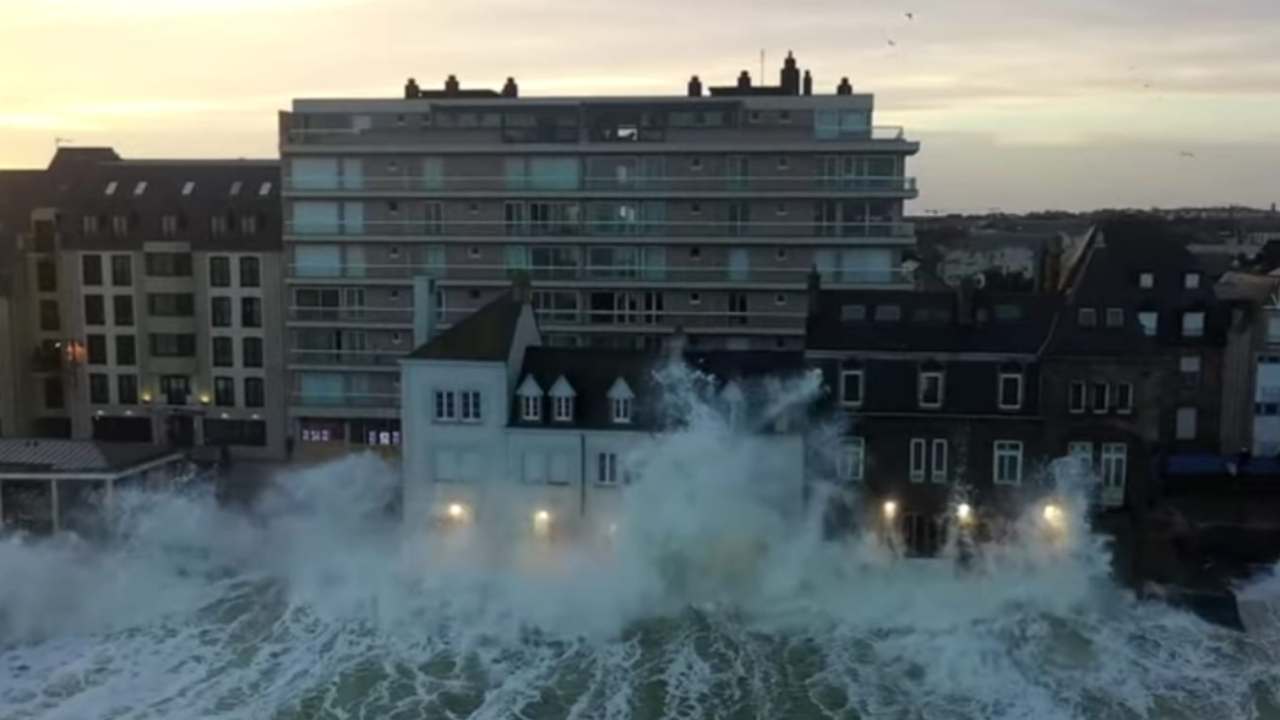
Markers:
346,399
491,135
654,320
572,275
369,315
870,229
772,185
346,358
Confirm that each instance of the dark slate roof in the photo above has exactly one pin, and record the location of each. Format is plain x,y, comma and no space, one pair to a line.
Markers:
485,334
63,456
927,322
593,372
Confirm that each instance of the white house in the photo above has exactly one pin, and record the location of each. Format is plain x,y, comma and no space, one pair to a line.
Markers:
544,438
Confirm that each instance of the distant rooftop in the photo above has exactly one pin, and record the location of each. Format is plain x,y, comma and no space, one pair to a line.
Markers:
51,456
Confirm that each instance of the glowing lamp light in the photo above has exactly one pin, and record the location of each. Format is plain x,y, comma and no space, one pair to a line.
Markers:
146,398
890,509
1053,515
204,399
456,511
542,521
964,513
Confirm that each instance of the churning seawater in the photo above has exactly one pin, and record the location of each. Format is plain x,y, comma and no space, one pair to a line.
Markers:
705,604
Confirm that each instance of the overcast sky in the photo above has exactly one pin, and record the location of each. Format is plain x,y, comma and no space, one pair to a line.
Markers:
1020,105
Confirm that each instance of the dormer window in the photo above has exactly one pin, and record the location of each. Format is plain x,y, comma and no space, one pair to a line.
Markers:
1191,281
235,187
1146,280
111,188
1010,390
1087,317
1115,317
562,395
931,387
140,188
530,398
265,189
188,187
620,400
851,387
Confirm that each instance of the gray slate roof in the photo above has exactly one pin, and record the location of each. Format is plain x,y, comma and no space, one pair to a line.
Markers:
42,455
484,335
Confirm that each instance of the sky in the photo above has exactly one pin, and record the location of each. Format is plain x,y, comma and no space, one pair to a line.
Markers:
1035,104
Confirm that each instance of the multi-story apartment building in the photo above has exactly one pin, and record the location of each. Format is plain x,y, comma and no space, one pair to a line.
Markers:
148,303
635,217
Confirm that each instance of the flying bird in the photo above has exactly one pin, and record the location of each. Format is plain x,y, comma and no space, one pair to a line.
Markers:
911,16
893,44
1186,154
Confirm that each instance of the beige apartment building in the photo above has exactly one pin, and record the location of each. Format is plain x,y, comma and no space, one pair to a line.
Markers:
634,216
143,303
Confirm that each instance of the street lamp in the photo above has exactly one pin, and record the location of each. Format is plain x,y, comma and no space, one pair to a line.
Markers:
964,513
890,509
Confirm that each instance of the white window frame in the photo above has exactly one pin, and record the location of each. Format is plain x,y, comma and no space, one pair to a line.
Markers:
563,408
530,408
446,406
845,376
1191,281
470,409
620,411
1196,329
1146,280
852,460
1006,449
1154,328
917,459
1082,449
1106,398
1192,426
921,384
1114,464
1083,407
1000,399
607,469
1124,405
938,460
1115,317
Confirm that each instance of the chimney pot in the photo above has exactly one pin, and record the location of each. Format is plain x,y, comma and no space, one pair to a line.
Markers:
744,79
808,83
411,89
790,80
845,87
451,85
510,89
695,87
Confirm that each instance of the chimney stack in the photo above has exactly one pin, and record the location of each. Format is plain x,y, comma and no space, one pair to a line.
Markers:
744,80
695,87
845,87
790,76
510,89
451,85
808,83
411,89
521,287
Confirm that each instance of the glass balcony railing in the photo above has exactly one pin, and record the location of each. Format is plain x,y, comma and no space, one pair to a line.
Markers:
860,229
390,316
797,276
346,399
658,319
570,135
631,183
350,358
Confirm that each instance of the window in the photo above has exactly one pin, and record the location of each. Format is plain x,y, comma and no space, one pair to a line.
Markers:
99,389
264,189
89,223
140,188
127,389
888,313
53,393
851,386
563,408
1150,321
251,312
1083,453
254,392
621,410
120,225
930,389
111,188
784,163
1193,324
470,402
1010,391
606,468
95,312
176,389
938,473
1189,366
46,276
223,352
188,187
250,272
123,307
173,345
49,317
168,264
91,269
1008,462
235,187
252,350
917,459
171,304
1124,398
1087,317
1191,281
168,225
1186,424
1115,317
126,350
851,462
1101,397
780,299
1115,460
219,271
97,349
224,392
121,270
220,312
446,409
1146,280
248,224
695,298
531,408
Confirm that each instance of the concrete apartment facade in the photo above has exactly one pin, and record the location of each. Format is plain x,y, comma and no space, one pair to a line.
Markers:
634,216
146,304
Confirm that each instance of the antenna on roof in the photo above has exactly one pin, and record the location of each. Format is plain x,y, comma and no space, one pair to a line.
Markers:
761,64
